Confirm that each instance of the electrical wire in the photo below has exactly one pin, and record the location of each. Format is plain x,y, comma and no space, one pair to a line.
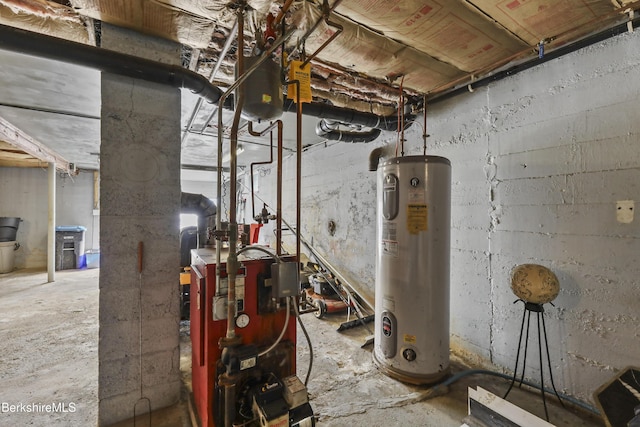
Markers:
284,328
306,335
261,249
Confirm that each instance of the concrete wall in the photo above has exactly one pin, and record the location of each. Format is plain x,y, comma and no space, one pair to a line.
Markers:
24,194
539,161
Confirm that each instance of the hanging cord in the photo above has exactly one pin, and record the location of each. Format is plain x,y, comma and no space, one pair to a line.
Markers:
284,329
402,116
306,335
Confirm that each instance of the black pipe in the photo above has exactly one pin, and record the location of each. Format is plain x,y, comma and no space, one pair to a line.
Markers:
30,43
374,158
561,51
109,61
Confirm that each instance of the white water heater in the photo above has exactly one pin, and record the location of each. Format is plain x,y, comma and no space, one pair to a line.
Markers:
412,268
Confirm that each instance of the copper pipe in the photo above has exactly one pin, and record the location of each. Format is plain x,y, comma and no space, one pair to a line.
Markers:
285,7
339,29
221,101
277,123
325,14
298,166
279,200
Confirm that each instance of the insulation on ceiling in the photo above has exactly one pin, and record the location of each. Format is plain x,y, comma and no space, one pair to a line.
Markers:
180,21
44,17
449,31
538,20
365,51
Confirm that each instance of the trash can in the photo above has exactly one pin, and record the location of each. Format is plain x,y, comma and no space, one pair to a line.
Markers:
7,256
69,247
93,258
8,228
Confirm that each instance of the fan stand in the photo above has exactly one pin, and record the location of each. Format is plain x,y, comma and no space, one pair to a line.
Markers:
530,307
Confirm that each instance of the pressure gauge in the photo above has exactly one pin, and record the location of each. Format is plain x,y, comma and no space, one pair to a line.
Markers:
242,321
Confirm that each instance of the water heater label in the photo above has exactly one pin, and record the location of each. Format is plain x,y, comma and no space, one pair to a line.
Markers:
409,339
389,231
416,196
389,248
416,218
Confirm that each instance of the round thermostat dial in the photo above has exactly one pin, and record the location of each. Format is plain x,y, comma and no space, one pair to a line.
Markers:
242,321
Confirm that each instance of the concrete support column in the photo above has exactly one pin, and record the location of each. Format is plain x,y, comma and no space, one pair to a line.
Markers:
139,353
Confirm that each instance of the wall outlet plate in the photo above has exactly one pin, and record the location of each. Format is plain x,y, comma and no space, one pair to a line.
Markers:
624,211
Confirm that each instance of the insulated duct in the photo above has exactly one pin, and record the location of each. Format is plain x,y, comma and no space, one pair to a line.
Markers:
329,130
206,210
329,112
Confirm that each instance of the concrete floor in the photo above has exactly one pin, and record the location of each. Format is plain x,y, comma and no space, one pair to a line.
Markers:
49,334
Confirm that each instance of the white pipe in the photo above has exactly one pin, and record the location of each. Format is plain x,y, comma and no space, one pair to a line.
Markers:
51,234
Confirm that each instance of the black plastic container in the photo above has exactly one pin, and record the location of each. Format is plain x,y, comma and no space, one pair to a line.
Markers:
8,228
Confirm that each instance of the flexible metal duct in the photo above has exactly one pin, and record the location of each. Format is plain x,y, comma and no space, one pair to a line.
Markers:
329,112
329,130
206,210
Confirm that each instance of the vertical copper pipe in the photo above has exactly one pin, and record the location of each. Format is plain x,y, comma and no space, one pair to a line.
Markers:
279,197
277,123
221,101
298,168
278,184
279,169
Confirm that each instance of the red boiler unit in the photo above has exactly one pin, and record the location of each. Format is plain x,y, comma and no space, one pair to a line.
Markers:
253,383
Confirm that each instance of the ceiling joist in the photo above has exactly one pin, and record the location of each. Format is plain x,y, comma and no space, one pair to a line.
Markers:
19,149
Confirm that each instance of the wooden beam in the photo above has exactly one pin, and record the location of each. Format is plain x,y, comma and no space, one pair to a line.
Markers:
21,140
28,163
